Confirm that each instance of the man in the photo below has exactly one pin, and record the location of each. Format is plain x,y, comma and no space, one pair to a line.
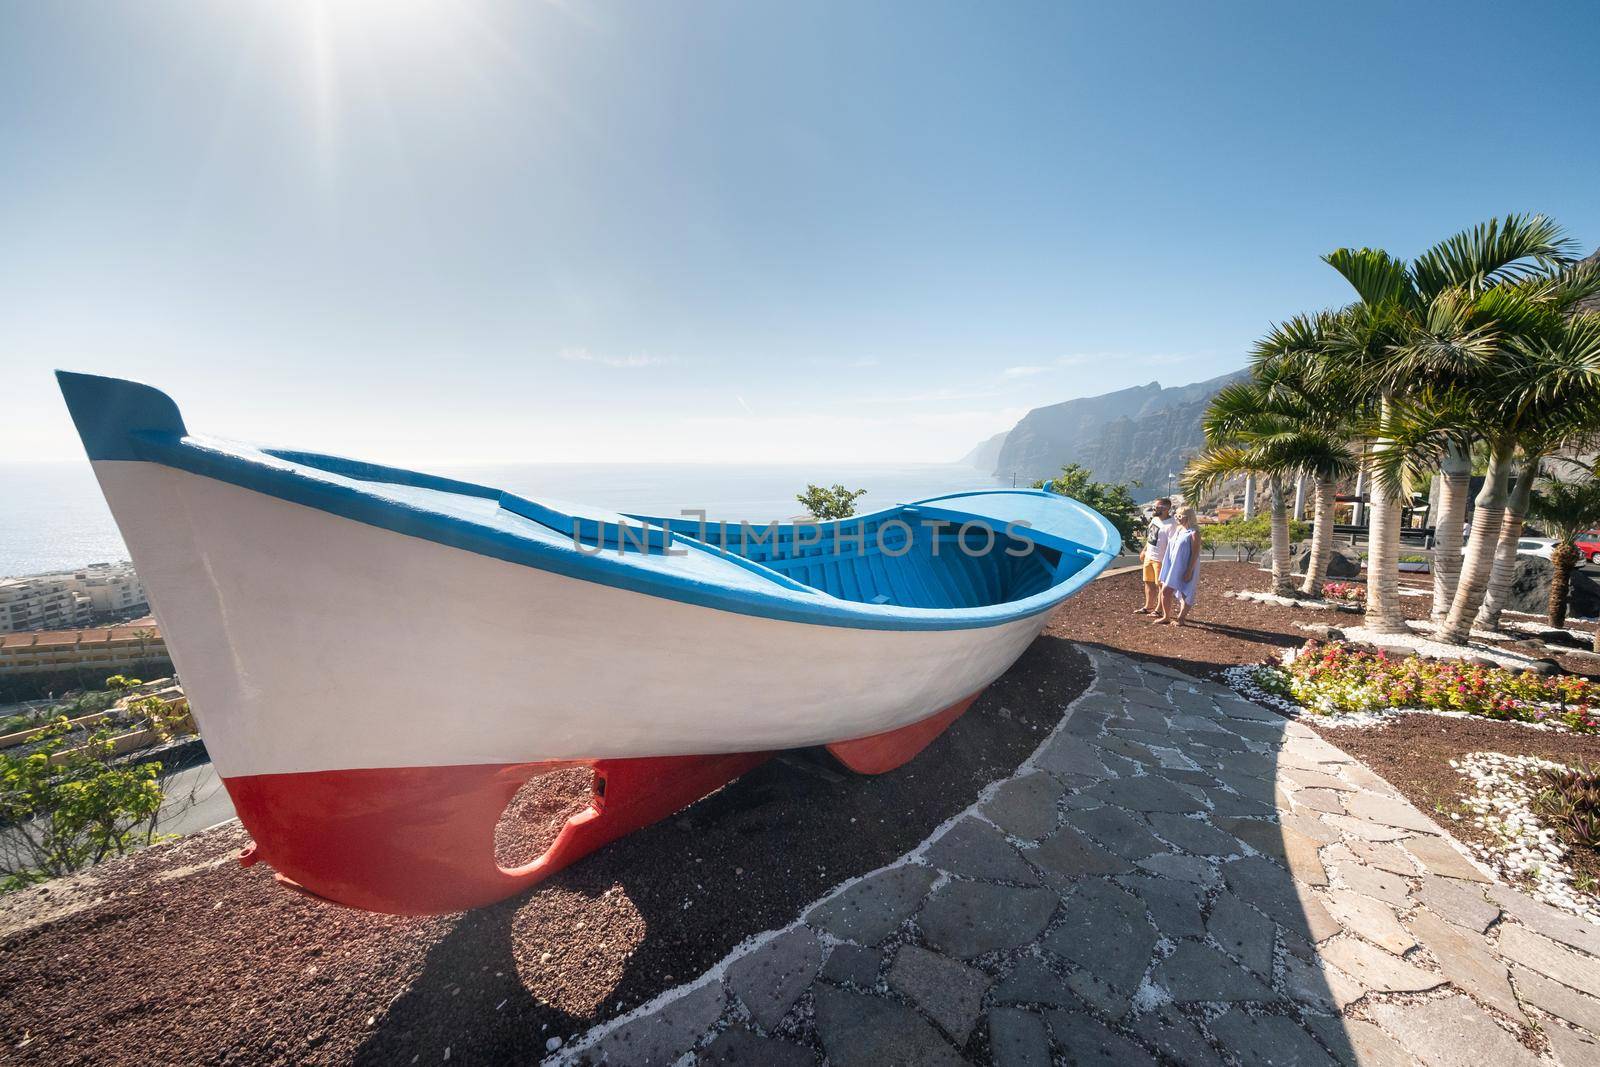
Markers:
1155,546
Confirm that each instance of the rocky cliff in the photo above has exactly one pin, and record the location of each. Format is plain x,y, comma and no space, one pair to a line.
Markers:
1139,434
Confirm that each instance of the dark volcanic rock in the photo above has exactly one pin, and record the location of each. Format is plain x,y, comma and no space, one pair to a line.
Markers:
1343,563
1530,589
1140,434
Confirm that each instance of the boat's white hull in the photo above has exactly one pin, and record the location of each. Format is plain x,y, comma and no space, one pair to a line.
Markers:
310,642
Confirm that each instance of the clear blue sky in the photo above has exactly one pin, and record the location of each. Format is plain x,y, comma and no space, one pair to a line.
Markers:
450,232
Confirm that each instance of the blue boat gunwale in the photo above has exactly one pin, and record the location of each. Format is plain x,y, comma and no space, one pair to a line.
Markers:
124,420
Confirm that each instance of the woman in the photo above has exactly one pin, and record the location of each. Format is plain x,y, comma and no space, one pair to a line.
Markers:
1180,568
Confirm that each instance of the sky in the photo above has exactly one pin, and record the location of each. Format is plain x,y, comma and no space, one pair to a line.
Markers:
456,232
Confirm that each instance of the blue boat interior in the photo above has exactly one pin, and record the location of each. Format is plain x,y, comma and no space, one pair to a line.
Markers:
966,559
909,556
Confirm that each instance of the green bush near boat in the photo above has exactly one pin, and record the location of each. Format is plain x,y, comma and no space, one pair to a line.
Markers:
833,502
1114,500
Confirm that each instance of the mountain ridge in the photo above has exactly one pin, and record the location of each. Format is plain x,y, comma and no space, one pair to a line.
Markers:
1144,433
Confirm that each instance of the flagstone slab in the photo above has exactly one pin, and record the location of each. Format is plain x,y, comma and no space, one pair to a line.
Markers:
1086,1040
1066,754
1441,857
1371,919
1574,1048
874,907
1174,905
1033,982
1104,931
1384,855
1127,835
974,848
1358,1043
1539,953
1380,885
1018,1038
1579,1009
769,980
740,1047
1197,973
1462,903
1323,800
1306,779
853,965
1313,826
1390,811
1376,969
1193,835
1149,793
1465,959
1176,1037
1260,882
1319,985
1185,868
1451,1032
658,1039
1551,922
1268,1041
1366,829
1067,855
967,919
1025,807
866,1031
1243,932
950,992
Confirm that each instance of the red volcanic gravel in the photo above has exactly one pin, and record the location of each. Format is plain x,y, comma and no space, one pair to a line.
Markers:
178,955
534,818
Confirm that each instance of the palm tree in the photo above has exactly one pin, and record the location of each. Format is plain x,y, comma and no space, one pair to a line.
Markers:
1270,426
1542,391
1319,408
1442,324
1564,509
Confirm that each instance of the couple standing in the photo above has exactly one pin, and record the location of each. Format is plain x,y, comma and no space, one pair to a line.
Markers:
1171,563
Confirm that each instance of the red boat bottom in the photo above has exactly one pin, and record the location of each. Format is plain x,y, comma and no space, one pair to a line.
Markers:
883,752
421,840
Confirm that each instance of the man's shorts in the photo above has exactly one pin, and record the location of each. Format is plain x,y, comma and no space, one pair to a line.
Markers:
1152,571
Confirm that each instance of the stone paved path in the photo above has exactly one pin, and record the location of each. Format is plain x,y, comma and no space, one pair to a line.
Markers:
1176,876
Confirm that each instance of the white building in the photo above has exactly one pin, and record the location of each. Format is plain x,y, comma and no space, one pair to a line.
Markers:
69,599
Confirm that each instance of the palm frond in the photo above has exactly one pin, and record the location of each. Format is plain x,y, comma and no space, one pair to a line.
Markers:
1500,250
1375,275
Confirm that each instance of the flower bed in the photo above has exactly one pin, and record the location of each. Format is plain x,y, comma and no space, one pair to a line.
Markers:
1335,678
1344,591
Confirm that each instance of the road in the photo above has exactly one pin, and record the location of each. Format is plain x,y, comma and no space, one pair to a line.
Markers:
195,800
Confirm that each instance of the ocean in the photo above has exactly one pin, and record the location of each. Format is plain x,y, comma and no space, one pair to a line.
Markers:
52,516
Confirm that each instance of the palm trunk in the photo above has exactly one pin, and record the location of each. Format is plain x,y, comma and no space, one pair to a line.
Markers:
1455,481
1505,554
1562,560
1321,539
1488,512
1383,553
1282,572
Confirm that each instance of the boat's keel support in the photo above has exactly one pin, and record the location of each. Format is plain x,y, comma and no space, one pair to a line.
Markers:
879,753
421,840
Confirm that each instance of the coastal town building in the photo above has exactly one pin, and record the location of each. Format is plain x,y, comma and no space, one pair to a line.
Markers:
112,648
69,599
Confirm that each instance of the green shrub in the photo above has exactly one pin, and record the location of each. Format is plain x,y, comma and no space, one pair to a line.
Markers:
835,502
66,804
1570,799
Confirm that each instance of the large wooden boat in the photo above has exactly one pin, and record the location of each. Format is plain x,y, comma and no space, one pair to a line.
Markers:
378,659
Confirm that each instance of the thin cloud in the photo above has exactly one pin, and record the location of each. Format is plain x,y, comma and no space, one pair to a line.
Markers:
1013,373
583,355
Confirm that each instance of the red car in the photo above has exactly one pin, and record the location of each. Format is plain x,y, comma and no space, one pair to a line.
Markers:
1588,544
